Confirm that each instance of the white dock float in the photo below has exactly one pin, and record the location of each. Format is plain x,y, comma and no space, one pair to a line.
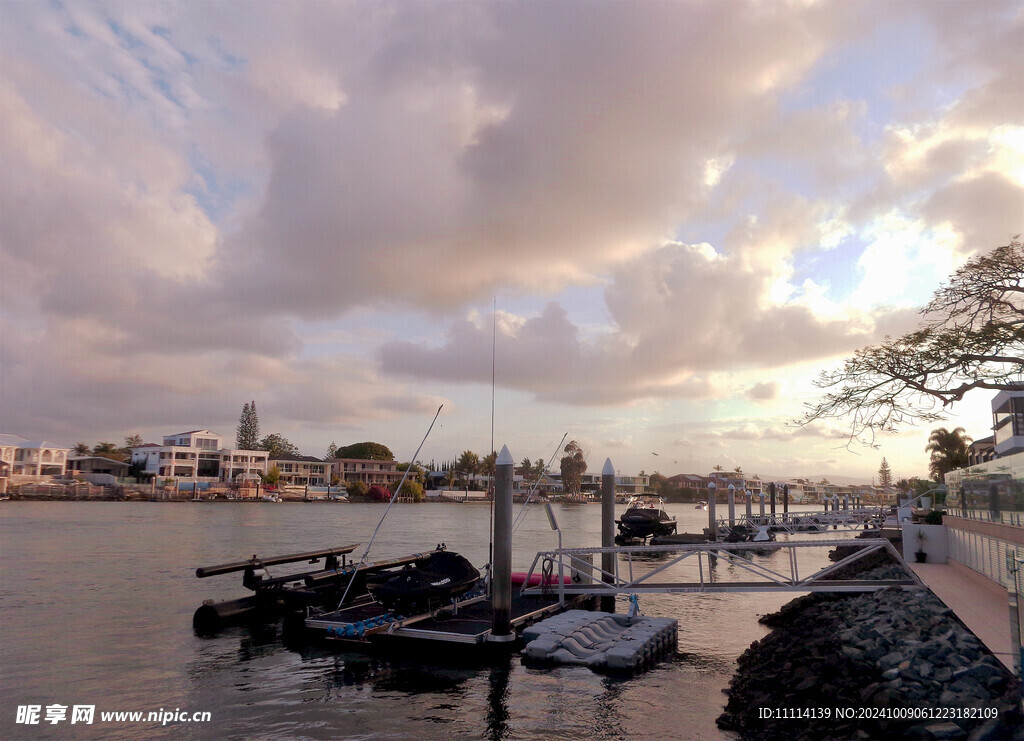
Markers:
601,640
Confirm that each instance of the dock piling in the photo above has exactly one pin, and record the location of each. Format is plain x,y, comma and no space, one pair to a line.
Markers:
712,520
501,574
608,529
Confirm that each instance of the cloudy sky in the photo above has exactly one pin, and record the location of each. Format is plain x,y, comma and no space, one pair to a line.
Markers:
667,217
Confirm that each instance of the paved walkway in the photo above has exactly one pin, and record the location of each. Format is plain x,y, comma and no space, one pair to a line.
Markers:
980,603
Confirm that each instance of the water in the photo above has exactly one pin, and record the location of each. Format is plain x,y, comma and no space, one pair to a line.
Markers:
96,603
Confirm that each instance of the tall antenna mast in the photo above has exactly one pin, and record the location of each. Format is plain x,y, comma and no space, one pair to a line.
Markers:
494,340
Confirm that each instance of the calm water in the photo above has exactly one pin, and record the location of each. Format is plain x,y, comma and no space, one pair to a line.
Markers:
96,603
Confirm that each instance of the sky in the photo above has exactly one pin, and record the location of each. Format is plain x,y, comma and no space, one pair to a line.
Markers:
662,220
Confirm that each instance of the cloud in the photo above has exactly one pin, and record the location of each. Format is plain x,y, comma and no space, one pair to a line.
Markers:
682,314
763,391
191,201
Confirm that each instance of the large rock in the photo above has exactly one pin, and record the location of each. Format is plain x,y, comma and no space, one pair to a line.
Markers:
889,649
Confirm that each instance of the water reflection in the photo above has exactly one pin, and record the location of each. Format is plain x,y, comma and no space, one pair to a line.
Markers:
497,702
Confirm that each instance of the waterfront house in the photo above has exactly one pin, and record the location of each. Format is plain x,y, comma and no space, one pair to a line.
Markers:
199,455
301,470
370,472
32,458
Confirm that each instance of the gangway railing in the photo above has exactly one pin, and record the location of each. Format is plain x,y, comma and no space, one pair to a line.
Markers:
585,578
810,522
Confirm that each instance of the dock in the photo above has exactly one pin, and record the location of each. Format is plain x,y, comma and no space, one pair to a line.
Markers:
466,623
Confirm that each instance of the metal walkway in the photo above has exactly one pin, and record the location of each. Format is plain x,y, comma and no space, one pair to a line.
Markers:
701,560
810,522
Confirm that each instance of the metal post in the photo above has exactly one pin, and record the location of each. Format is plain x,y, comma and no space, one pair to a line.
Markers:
771,493
501,590
608,530
762,507
732,506
785,499
712,520
748,495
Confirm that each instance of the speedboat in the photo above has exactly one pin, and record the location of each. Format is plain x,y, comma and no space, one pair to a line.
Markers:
645,517
701,505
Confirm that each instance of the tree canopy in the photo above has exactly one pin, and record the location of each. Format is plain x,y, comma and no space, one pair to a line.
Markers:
247,436
971,337
884,474
573,466
366,451
277,445
948,450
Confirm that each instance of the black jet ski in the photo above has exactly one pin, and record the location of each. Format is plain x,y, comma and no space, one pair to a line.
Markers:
434,580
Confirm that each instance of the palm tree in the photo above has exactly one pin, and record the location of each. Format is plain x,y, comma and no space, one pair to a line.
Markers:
948,449
82,449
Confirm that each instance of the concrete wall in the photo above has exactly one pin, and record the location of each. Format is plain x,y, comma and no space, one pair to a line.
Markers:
934,543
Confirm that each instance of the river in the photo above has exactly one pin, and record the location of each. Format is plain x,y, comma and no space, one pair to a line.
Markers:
96,602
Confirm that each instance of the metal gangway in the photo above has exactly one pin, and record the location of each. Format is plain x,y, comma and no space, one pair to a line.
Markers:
585,578
808,522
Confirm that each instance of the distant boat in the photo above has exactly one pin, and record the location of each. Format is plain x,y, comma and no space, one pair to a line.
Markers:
701,505
645,516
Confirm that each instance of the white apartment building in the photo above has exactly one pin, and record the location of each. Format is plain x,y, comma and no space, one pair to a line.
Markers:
199,455
21,457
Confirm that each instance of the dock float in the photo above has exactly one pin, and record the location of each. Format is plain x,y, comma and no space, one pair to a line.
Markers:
601,640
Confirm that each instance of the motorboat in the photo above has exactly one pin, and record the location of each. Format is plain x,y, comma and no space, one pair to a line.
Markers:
645,517
439,577
701,505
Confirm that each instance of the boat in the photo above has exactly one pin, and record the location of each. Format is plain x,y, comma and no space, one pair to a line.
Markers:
701,505
439,577
645,516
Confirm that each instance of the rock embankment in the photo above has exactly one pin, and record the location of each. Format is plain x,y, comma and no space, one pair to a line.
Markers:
887,654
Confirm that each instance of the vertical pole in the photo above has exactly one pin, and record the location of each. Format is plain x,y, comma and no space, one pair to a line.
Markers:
762,507
785,499
712,520
771,493
608,530
501,590
747,495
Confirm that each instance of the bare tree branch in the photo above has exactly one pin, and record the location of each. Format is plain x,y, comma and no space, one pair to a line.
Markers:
972,338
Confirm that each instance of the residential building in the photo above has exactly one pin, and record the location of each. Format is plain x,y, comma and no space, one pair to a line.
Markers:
302,470
370,472
21,457
981,451
198,455
1008,422
96,464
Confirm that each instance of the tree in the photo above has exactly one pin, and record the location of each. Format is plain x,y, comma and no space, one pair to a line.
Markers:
332,452
412,489
356,489
247,436
132,441
659,484
82,449
109,450
488,464
971,337
378,493
573,465
468,463
277,445
366,451
272,476
525,467
884,474
948,450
